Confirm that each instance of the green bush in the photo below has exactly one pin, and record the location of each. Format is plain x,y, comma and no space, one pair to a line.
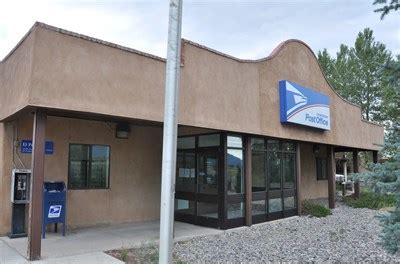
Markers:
316,210
371,200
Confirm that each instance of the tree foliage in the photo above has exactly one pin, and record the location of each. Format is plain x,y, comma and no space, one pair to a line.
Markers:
356,73
386,7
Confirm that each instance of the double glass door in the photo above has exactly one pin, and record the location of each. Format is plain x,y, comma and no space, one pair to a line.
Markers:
273,180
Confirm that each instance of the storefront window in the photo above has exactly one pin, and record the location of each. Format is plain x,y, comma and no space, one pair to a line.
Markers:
185,171
274,170
235,142
234,172
208,173
273,144
257,144
186,143
184,206
289,203
209,210
89,166
275,205
258,207
289,170
258,172
236,210
209,140
288,146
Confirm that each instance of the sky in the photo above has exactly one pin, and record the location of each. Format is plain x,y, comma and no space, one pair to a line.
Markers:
244,29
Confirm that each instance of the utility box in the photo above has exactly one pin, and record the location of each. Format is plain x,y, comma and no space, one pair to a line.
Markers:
54,205
20,196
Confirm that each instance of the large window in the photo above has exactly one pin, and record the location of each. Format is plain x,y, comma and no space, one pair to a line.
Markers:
234,160
89,166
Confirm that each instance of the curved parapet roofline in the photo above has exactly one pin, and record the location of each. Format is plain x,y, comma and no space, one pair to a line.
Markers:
275,53
272,55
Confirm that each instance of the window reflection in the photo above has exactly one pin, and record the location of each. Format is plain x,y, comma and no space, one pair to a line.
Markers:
208,173
234,172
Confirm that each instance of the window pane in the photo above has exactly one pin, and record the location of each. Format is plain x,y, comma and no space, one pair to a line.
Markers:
273,144
209,140
258,171
288,146
186,143
275,205
78,166
289,203
289,170
235,171
235,141
208,173
207,209
258,207
77,174
274,172
257,143
185,171
235,210
184,206
99,167
79,152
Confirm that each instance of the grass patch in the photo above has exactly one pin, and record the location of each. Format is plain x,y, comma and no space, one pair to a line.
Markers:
371,200
147,254
315,209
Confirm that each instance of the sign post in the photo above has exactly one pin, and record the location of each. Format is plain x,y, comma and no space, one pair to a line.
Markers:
170,132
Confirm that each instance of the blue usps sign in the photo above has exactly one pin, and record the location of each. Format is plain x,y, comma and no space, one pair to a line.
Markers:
301,105
26,146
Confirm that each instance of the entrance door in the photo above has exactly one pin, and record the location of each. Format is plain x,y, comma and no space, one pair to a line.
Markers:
274,179
208,173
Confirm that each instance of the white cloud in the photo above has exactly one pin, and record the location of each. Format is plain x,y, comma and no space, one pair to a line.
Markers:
249,29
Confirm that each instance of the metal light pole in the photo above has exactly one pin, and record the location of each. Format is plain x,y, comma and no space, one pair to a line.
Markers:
170,132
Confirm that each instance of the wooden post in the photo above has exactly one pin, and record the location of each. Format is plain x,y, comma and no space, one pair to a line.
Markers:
36,204
331,177
355,170
298,178
249,182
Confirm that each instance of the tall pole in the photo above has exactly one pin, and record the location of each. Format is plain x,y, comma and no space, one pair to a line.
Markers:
170,132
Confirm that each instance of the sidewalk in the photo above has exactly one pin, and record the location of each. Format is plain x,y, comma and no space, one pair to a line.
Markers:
88,245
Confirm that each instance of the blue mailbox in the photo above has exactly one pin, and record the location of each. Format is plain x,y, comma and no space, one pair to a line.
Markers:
54,205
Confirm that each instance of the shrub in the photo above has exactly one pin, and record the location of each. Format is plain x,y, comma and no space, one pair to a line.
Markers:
316,210
371,200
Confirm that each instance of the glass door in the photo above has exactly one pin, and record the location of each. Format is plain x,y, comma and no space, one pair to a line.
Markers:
208,168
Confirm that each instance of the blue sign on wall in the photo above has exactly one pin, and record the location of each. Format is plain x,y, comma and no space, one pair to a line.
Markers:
26,146
303,106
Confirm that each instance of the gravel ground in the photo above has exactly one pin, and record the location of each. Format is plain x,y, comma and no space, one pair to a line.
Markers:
348,235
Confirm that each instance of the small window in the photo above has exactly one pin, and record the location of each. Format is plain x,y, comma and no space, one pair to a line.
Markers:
235,142
89,166
322,169
186,143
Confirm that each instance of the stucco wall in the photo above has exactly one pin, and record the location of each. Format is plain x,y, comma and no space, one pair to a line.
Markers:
72,72
135,175
311,188
15,77
5,176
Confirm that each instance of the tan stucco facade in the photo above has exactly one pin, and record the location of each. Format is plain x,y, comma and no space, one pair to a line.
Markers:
57,69
135,172
77,76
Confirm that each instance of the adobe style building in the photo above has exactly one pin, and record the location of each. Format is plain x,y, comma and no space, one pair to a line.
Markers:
256,137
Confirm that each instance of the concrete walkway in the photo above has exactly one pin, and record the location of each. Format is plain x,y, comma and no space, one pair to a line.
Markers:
88,245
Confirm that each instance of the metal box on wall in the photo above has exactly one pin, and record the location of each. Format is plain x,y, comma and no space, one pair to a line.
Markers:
20,186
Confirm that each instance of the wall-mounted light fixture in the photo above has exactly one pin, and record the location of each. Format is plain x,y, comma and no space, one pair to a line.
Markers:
123,130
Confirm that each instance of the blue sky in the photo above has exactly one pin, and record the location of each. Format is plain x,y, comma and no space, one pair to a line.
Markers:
245,29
